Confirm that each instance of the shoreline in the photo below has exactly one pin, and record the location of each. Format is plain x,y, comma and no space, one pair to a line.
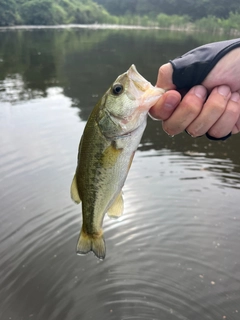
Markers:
187,28
80,26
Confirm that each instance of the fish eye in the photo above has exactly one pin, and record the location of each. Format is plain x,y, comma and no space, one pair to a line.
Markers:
117,89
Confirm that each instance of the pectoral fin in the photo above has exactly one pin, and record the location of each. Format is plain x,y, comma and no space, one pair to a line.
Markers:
116,210
74,191
110,156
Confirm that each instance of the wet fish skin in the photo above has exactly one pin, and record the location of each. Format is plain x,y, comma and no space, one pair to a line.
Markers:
110,138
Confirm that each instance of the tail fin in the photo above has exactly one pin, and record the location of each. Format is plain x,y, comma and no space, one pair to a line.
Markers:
87,243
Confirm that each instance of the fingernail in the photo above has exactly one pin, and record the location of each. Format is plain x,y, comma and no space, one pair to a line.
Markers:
171,101
223,90
200,92
235,96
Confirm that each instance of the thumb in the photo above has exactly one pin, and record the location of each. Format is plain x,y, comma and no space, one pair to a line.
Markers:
164,79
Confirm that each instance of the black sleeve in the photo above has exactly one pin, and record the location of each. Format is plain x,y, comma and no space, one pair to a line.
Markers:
193,67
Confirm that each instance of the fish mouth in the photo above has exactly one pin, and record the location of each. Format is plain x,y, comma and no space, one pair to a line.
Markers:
139,81
143,90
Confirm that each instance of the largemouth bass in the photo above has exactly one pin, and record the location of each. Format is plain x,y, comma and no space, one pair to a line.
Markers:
106,150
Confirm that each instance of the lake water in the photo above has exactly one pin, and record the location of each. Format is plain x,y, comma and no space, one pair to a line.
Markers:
174,254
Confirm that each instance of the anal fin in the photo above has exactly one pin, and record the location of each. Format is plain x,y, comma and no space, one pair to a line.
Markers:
74,191
116,209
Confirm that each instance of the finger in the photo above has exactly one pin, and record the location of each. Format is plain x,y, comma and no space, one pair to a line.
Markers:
229,118
236,128
165,106
187,111
212,110
164,79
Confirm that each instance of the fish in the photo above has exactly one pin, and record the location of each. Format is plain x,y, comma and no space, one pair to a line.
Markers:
106,150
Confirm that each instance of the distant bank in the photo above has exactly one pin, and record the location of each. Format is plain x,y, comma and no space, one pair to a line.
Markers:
188,27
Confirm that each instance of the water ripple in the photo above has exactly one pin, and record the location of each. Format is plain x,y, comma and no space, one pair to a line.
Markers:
172,255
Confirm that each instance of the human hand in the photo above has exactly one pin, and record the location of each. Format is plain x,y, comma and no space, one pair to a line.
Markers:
212,107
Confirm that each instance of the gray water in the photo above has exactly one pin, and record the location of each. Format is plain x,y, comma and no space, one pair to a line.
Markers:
174,254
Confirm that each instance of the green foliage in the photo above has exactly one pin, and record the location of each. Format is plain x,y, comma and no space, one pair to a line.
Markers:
79,11
166,21
8,14
59,14
192,8
232,23
50,12
214,24
202,14
210,23
222,8
37,12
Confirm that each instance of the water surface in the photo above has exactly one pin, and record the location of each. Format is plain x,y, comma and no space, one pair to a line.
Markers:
174,254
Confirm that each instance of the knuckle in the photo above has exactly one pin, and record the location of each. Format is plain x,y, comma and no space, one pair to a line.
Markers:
171,131
215,132
237,127
193,133
191,107
233,111
217,105
195,130
192,104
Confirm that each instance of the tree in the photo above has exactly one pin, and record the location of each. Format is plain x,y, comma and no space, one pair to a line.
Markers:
194,9
37,12
7,12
